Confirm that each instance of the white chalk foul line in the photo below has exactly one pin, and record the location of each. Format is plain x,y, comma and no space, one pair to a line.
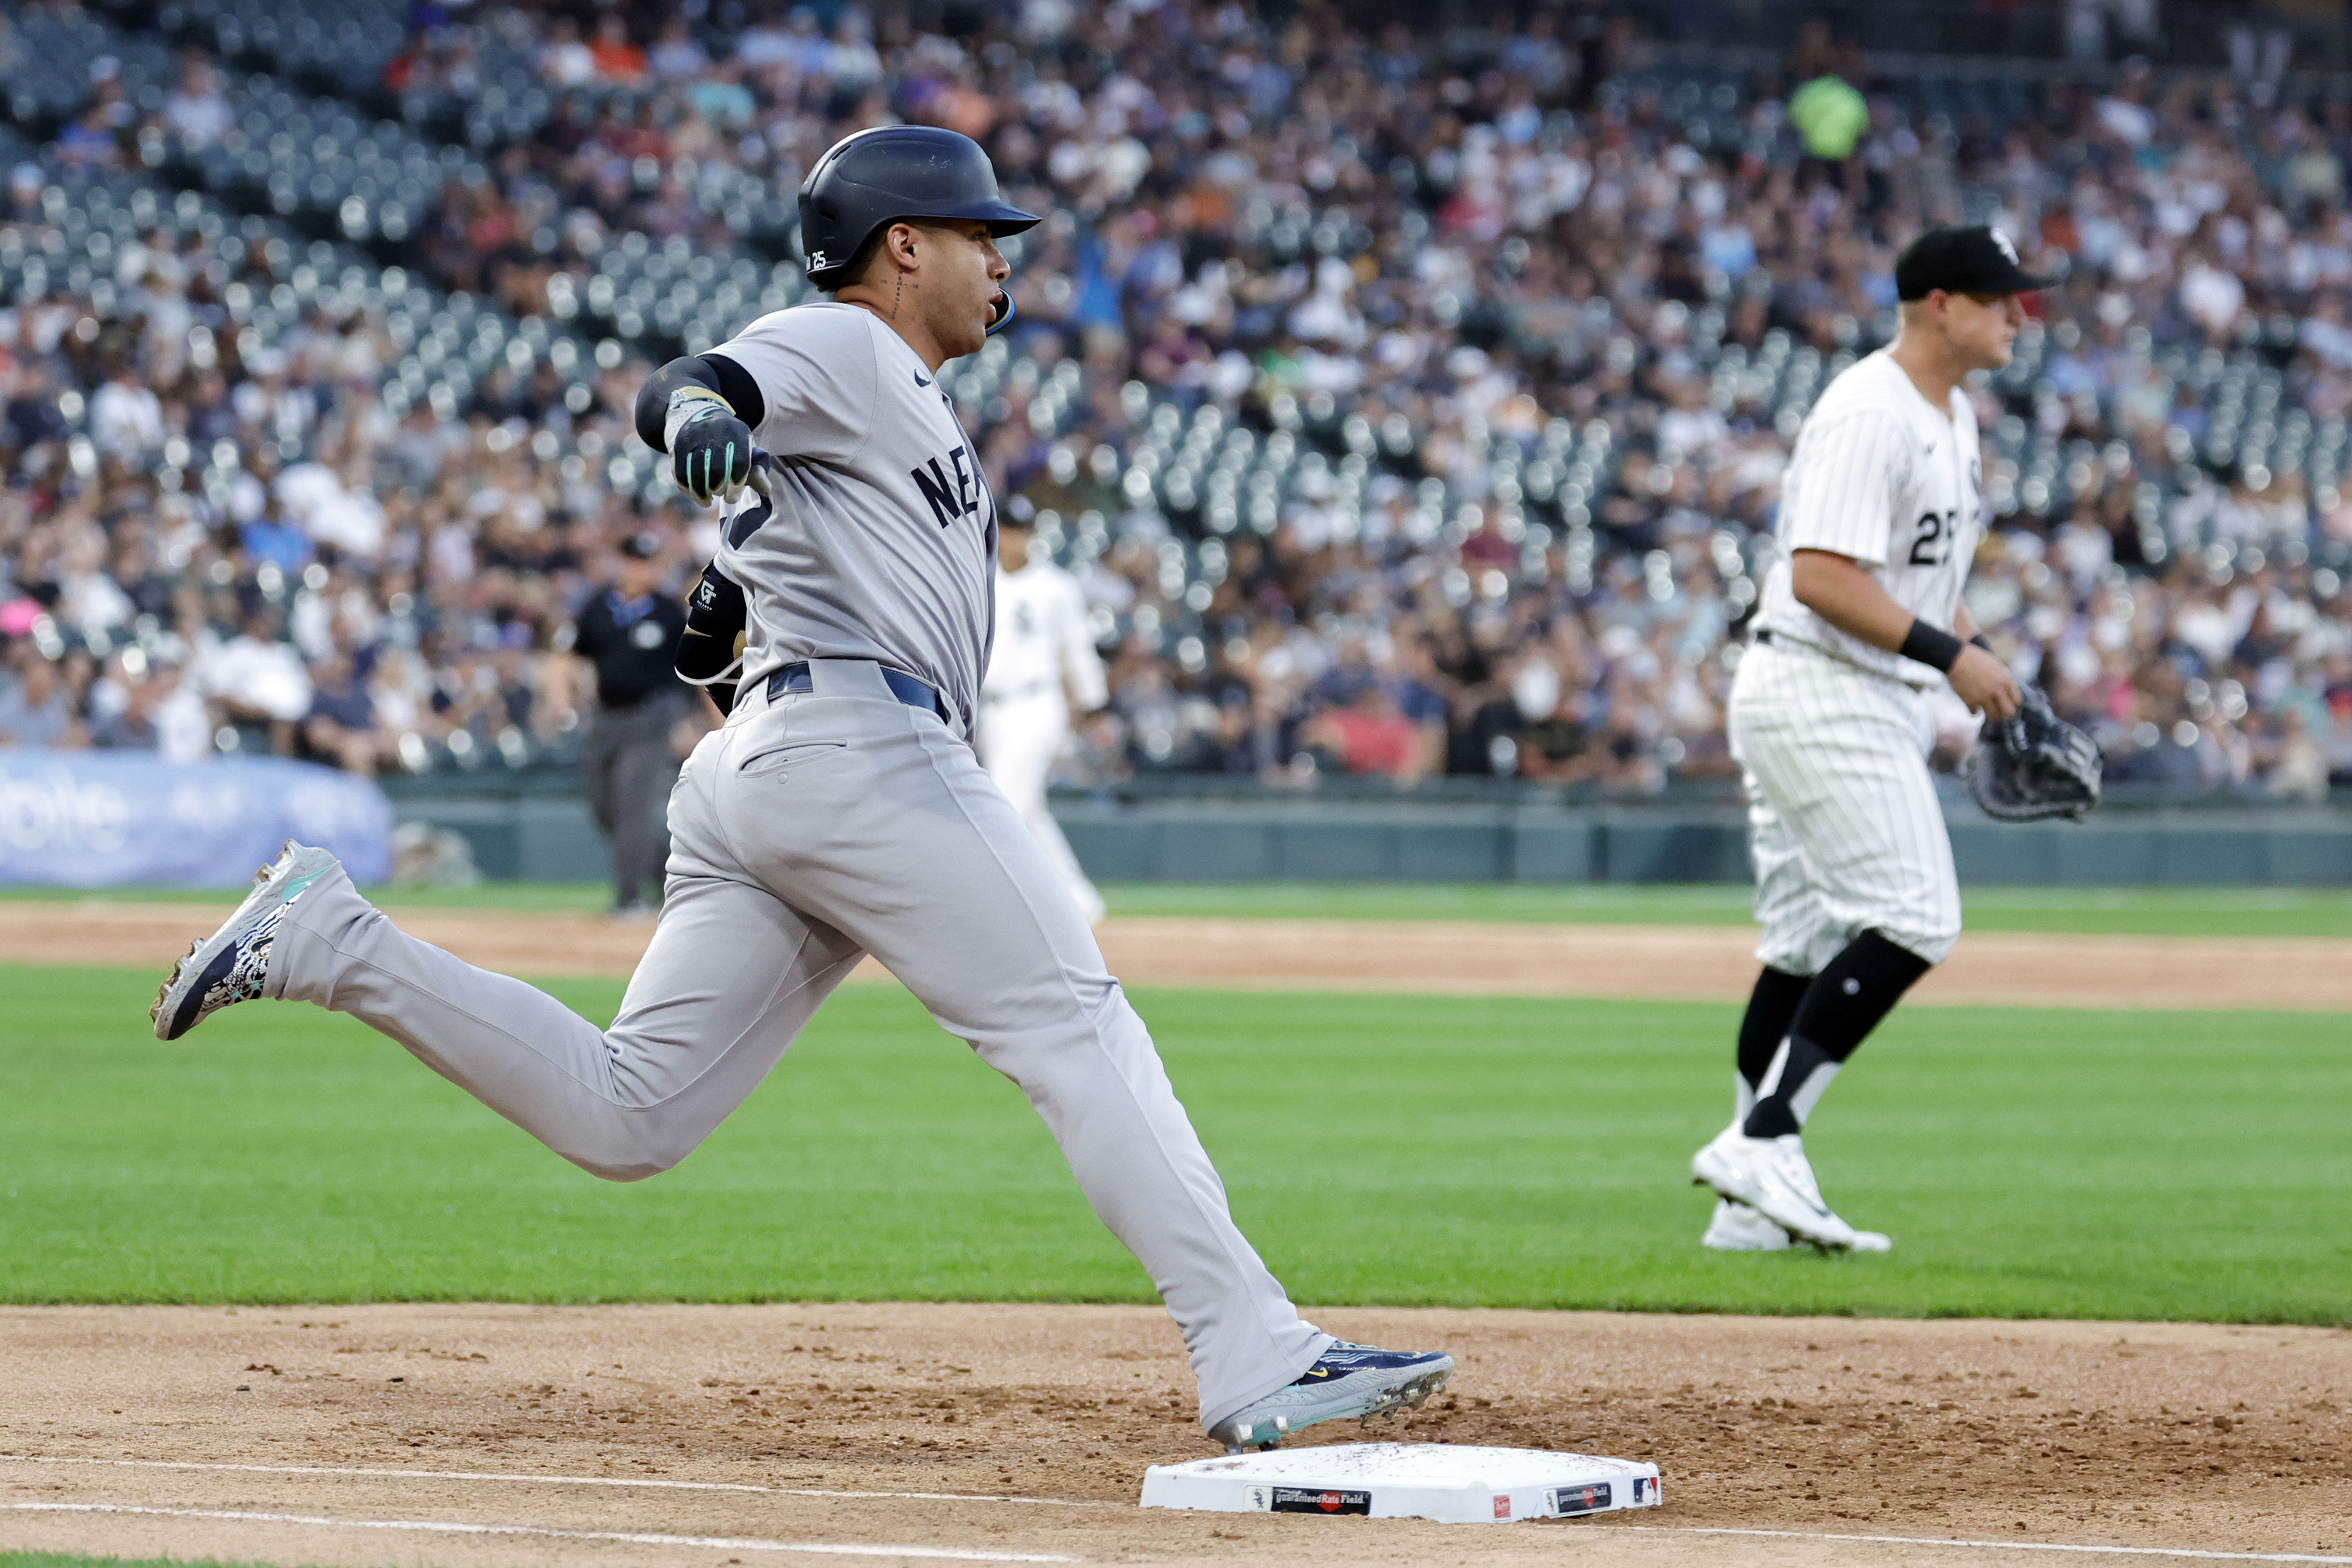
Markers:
521,1476
2001,1545
445,1527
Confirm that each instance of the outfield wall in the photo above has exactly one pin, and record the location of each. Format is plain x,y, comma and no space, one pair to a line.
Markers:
549,836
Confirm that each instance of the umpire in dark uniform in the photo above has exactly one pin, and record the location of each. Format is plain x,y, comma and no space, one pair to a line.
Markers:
629,631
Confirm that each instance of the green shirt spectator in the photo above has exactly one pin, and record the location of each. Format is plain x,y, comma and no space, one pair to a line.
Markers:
1830,116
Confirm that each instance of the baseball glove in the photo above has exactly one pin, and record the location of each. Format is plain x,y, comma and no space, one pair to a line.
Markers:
2034,765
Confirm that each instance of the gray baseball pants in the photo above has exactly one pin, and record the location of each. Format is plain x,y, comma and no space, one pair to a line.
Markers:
805,834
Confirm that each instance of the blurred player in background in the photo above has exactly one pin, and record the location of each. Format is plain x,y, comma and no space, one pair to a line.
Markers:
627,631
1881,512
1043,664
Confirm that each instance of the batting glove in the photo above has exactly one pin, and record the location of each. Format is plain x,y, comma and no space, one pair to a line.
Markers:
709,448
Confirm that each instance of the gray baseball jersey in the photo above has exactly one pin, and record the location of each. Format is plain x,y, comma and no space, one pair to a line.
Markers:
881,543
821,825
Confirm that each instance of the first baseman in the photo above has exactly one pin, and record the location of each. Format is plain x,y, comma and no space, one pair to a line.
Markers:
840,811
1043,664
1854,887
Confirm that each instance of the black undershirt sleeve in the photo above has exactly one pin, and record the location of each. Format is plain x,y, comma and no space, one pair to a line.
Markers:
717,371
736,385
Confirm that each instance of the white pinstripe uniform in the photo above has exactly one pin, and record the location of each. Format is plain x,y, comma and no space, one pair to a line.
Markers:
1045,657
1831,732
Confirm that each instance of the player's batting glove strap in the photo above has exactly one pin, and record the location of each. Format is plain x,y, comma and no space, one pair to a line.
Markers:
709,448
2034,765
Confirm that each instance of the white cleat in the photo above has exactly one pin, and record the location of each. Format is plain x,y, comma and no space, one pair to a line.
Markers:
1735,1228
1771,1175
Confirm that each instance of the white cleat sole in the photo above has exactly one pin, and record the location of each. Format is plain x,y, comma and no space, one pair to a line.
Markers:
1714,1166
1735,1228
1267,1431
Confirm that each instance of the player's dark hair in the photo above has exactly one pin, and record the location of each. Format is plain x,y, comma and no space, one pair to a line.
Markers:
863,262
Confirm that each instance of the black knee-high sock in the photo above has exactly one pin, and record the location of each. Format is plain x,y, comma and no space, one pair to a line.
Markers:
1846,1000
1771,1008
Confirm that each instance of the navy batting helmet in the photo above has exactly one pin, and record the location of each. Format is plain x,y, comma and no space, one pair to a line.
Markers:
874,178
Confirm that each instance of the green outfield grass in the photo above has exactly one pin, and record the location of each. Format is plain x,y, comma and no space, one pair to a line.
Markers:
2121,911
1386,1149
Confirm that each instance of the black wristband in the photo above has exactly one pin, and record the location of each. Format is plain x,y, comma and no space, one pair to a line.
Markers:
1931,646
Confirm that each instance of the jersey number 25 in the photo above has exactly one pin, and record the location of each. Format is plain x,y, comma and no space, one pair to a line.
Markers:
1934,544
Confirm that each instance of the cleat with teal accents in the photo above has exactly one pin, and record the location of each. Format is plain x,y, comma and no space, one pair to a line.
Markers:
228,967
1348,1380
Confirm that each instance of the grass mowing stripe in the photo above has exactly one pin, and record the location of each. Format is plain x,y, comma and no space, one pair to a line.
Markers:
1398,1150
2124,911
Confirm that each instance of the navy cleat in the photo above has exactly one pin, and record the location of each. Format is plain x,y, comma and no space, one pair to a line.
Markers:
1350,1380
228,967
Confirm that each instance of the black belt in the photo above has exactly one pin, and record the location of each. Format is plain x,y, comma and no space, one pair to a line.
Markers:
904,688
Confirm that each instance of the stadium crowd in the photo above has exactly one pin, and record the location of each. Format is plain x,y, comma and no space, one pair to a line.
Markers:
1522,334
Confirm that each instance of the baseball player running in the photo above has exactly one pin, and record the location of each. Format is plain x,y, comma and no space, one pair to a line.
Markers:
1854,887
840,811
1044,661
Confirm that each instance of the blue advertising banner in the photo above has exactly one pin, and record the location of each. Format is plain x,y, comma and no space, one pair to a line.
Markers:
96,819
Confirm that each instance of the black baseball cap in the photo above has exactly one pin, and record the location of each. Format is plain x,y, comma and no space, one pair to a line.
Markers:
1974,258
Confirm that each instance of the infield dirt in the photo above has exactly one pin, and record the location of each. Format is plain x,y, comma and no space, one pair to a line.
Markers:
2148,1435
1669,962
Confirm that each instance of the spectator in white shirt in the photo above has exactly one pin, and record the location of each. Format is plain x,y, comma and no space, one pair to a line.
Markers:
2212,298
566,61
196,110
126,418
257,679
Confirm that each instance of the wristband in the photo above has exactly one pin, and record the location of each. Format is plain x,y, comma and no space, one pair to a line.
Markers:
1930,645
686,403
